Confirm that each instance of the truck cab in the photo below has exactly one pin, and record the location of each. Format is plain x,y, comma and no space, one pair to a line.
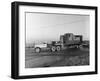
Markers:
38,47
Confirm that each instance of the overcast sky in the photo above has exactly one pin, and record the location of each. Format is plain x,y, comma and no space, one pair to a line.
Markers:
49,27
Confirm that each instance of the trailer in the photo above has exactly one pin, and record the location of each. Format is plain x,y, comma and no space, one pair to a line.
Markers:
68,40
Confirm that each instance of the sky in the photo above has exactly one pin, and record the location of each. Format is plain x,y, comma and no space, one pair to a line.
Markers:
45,27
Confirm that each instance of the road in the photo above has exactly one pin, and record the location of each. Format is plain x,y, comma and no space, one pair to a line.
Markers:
68,57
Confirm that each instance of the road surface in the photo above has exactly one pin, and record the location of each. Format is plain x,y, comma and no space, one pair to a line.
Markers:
68,57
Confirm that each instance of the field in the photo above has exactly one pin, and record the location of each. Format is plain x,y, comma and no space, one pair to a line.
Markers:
68,57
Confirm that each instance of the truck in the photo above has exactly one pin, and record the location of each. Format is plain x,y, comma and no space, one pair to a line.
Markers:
68,40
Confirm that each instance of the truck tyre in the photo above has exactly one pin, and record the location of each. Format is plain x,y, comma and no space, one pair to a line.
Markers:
37,50
77,46
53,48
58,48
80,46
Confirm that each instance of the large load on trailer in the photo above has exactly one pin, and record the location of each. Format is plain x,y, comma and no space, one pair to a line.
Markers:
66,40
70,39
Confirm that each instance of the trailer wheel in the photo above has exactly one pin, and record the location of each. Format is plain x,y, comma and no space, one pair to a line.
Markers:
58,48
53,48
37,50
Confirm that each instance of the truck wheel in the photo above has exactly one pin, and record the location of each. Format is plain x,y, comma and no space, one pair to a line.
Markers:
80,46
58,48
37,50
53,48
77,46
